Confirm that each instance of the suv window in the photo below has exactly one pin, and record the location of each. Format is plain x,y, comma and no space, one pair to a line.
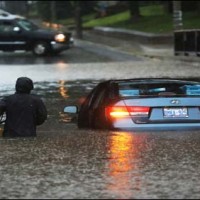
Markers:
6,26
27,25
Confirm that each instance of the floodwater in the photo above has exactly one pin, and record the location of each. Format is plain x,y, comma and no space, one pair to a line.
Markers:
64,162
93,164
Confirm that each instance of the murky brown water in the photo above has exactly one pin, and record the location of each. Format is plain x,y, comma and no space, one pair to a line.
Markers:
95,164
64,162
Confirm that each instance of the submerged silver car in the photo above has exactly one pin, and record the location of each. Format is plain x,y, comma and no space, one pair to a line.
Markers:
141,104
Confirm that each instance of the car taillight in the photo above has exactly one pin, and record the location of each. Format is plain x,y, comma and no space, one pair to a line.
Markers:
117,111
138,111
124,111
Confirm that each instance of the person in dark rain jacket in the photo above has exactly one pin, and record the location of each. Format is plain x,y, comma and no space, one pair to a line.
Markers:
24,111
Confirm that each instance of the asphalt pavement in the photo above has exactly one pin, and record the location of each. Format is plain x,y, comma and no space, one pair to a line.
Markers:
134,46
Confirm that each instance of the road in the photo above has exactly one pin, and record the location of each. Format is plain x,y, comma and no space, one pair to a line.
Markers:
64,162
99,62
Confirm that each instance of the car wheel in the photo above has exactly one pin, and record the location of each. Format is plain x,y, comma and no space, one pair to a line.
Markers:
40,48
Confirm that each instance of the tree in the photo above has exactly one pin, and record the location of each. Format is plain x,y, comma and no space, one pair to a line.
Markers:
44,10
78,19
198,7
64,9
17,7
134,10
177,15
53,11
168,6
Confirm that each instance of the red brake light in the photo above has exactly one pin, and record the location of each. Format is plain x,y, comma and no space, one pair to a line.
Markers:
124,111
117,111
138,110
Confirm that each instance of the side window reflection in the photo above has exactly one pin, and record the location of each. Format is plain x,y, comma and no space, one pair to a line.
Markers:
6,27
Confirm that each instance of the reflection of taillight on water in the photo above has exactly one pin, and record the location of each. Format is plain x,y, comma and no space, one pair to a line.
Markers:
125,111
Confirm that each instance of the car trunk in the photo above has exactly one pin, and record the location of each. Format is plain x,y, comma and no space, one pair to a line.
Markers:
164,110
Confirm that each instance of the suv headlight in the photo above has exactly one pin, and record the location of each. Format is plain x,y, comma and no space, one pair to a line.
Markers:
60,37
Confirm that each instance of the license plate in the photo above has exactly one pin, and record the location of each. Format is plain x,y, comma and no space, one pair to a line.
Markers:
176,112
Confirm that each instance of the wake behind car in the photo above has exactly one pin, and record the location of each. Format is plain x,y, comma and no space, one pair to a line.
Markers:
18,33
141,104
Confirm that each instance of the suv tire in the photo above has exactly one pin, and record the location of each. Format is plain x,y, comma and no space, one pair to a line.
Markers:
40,48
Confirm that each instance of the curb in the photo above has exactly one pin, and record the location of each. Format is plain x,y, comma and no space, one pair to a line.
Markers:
149,40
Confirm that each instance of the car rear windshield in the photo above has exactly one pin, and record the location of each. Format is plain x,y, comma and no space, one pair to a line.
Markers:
158,89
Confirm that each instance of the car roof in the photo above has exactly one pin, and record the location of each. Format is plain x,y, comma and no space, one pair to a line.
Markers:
107,83
4,15
151,80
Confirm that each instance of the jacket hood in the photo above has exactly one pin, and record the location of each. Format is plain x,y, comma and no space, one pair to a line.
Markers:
24,85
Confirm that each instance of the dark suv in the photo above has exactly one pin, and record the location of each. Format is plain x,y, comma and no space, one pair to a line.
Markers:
18,33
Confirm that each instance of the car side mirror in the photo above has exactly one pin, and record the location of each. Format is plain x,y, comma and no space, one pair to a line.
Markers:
16,29
71,109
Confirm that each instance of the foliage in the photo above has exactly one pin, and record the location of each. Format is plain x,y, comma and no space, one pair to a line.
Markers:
152,10
63,9
43,8
148,14
154,19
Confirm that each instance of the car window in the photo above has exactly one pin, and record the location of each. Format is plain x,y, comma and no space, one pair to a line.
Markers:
96,95
158,89
99,99
27,25
89,99
6,26
191,89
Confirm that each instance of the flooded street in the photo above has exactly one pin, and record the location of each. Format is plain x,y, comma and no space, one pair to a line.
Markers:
93,164
67,163
64,162
87,164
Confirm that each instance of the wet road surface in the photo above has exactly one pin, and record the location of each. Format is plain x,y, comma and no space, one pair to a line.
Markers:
94,164
79,53
64,162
